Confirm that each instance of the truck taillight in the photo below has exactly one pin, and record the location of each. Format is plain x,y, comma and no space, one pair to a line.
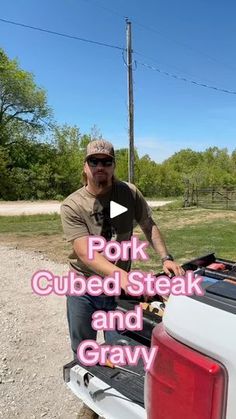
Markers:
182,383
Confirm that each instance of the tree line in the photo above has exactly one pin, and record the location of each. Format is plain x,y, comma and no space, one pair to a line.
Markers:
40,159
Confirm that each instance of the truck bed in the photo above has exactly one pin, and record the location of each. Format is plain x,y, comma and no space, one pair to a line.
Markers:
115,394
128,384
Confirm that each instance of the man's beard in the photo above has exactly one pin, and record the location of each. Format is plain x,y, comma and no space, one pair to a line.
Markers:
100,183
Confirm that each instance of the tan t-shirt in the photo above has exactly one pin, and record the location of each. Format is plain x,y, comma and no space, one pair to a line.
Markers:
84,214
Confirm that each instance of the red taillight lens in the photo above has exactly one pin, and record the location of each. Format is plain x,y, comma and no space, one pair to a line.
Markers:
183,383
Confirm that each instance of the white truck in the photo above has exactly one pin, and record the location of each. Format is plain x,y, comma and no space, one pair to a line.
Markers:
193,375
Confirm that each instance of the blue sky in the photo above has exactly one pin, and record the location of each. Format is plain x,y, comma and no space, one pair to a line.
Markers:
86,83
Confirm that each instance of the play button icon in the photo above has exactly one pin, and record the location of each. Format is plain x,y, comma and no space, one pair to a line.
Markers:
116,209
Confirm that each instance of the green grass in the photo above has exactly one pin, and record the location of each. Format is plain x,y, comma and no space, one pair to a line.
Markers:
176,204
44,224
188,233
196,240
193,232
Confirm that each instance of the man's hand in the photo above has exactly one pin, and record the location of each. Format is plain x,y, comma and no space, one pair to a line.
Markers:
170,266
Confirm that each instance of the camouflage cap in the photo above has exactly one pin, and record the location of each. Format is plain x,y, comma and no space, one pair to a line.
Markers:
100,147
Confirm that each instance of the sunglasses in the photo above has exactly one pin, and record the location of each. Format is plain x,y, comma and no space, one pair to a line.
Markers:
94,161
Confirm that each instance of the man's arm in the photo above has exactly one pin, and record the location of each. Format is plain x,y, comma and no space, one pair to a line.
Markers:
99,264
76,231
156,240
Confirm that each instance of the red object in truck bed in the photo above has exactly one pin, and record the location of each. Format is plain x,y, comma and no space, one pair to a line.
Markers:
217,266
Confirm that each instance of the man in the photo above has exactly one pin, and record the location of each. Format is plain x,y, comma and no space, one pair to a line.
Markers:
87,212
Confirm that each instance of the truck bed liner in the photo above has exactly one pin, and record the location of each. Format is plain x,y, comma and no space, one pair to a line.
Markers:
130,385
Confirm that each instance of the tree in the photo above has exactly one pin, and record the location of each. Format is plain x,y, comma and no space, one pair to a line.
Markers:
217,168
68,163
95,133
22,103
122,164
147,175
4,160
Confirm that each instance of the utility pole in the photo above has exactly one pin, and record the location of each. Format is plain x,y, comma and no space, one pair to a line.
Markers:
130,101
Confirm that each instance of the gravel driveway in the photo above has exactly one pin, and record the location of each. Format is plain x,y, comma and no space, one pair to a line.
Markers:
34,342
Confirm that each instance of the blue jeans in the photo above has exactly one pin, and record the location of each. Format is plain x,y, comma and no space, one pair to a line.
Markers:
79,315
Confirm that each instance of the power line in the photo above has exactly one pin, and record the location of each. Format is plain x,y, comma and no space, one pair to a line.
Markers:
174,76
213,59
62,34
121,49
148,28
171,66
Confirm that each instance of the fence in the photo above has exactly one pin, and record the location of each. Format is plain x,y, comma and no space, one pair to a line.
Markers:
215,198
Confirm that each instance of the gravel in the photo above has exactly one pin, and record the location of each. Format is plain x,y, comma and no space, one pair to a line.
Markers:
34,342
